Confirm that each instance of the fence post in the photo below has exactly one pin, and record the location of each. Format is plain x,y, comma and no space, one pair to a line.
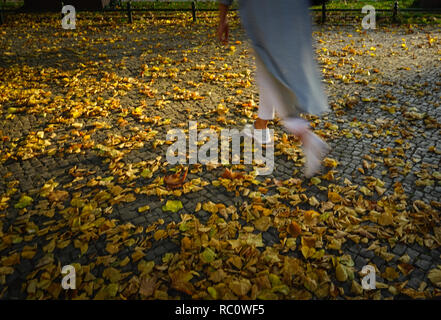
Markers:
395,12
193,10
129,11
323,12
1,14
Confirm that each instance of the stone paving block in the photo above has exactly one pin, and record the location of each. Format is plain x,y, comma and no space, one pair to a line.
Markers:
354,247
140,220
379,262
128,215
399,249
436,254
360,262
413,254
368,254
423,264
32,173
24,267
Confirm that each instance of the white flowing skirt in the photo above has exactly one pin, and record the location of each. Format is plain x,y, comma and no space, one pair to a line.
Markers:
274,96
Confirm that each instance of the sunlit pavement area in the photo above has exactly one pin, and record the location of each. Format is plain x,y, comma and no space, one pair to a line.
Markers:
84,116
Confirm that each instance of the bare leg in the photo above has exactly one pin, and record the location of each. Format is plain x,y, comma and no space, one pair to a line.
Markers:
268,96
261,133
275,96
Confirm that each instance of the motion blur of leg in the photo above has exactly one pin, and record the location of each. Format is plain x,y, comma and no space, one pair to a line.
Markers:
268,101
276,98
314,147
287,75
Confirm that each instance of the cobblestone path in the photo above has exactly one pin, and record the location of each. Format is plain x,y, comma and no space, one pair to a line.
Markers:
83,121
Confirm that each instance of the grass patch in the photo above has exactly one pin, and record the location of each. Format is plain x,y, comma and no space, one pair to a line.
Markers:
353,4
333,17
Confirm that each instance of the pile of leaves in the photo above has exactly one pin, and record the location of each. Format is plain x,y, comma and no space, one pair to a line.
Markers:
117,109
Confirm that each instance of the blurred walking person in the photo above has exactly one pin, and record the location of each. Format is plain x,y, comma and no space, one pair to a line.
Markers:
286,73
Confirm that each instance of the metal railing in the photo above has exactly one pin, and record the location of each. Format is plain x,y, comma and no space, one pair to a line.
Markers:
193,8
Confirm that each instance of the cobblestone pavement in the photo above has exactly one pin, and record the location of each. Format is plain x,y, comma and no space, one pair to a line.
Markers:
87,111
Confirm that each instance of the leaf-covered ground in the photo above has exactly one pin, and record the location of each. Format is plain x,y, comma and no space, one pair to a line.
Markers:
84,179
